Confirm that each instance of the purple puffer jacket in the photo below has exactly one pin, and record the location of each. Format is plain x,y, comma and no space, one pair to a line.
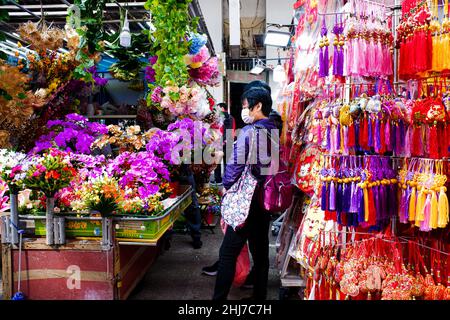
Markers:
241,147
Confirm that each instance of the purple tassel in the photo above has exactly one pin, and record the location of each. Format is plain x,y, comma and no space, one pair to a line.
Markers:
341,62
332,201
360,198
339,197
394,200
324,196
353,198
401,208
328,137
326,60
321,64
394,138
347,197
377,144
401,138
335,61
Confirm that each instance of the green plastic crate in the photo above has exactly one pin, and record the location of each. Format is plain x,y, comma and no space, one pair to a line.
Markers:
126,227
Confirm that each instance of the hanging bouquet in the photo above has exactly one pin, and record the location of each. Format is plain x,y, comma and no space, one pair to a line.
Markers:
101,194
12,167
182,101
202,68
74,134
50,172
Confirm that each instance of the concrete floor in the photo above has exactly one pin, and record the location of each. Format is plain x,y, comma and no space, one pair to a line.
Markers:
176,274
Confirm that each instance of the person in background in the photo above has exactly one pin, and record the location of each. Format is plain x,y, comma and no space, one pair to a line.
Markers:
192,213
256,107
276,118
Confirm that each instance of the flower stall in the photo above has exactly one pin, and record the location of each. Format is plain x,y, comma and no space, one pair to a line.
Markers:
85,206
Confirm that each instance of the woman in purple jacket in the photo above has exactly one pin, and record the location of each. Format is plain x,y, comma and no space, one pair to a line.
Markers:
256,108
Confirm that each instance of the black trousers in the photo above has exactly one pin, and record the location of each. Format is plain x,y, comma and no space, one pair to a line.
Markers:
256,231
192,213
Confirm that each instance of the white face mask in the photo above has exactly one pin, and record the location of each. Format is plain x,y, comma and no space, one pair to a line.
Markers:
246,117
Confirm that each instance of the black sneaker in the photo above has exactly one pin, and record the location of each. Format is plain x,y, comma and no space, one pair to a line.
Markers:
211,270
197,244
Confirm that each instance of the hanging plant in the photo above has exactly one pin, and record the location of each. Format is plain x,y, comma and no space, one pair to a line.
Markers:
172,24
91,34
131,60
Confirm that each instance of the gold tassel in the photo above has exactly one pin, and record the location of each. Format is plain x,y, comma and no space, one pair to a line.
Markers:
420,215
412,205
443,208
366,205
434,210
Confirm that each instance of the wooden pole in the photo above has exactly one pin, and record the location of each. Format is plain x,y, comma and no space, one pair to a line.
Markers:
4,232
7,272
49,221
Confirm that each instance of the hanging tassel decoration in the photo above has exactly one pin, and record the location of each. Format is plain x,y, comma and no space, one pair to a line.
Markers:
433,210
323,205
328,138
412,204
443,207
332,200
351,136
377,136
387,136
420,206
425,225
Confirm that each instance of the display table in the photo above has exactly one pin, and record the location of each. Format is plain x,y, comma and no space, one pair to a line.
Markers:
83,269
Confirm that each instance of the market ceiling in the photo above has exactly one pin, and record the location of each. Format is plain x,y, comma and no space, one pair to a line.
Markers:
55,13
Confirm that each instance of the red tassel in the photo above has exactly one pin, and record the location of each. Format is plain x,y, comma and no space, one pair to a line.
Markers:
433,142
351,136
382,137
416,141
372,212
364,134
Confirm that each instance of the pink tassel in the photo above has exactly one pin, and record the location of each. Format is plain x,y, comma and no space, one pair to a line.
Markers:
425,224
345,130
387,136
371,58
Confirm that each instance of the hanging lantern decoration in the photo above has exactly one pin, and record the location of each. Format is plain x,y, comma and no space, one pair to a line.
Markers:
125,35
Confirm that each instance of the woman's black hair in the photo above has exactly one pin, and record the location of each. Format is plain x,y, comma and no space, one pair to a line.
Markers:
257,83
256,95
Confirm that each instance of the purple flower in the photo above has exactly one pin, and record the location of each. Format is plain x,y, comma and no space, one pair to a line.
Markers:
152,60
75,134
75,117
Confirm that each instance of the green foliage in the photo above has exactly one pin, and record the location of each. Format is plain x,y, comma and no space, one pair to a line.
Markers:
91,35
129,59
91,12
172,24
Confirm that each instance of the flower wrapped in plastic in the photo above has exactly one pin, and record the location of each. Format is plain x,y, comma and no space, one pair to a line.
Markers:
49,172
102,195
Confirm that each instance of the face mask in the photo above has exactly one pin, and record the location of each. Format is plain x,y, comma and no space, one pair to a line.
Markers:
246,117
